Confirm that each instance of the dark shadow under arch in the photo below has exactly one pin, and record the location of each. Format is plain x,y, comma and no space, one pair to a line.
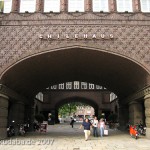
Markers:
116,73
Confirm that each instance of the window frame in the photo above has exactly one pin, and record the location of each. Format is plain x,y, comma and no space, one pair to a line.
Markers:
24,11
101,9
51,10
76,10
142,8
125,6
4,8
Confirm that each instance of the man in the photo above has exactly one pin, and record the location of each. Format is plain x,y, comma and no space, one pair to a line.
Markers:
72,122
86,124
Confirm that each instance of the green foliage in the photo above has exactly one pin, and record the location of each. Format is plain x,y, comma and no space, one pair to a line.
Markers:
69,108
1,6
39,117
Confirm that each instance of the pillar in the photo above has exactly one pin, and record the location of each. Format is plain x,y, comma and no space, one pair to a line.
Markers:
135,112
147,114
63,5
3,116
29,115
88,7
112,5
15,6
56,116
17,112
136,5
39,5
123,116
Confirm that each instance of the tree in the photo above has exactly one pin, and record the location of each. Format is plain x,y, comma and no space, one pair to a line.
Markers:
70,108
39,118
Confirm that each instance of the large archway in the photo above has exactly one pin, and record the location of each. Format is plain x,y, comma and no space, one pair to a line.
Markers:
116,73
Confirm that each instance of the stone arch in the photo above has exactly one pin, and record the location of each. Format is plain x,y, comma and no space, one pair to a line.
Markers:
112,65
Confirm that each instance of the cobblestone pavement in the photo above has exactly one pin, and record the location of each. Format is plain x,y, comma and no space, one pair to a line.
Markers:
63,137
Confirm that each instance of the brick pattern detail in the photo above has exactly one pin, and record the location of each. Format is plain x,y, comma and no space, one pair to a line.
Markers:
136,5
19,39
39,5
63,5
112,5
88,5
15,5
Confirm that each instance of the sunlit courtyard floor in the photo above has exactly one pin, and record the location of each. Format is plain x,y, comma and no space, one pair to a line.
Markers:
63,137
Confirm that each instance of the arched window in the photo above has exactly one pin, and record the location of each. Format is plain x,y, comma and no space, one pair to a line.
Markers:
100,5
145,5
124,5
5,6
76,5
51,5
27,6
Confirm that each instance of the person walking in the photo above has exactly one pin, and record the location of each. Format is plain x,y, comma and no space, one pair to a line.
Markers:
101,126
86,124
95,127
72,122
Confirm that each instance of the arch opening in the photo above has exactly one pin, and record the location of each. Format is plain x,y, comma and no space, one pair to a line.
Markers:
116,73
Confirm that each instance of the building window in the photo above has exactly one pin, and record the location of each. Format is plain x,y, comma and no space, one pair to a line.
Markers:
83,85
76,5
124,5
27,6
145,5
91,86
69,85
99,87
61,86
5,6
76,84
53,87
100,5
51,5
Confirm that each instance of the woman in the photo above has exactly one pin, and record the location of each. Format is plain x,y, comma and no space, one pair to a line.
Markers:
101,126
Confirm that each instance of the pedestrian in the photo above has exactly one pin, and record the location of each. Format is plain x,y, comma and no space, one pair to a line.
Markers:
72,122
101,126
86,124
95,127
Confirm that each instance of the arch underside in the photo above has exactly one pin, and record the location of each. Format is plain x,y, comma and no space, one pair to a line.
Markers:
116,73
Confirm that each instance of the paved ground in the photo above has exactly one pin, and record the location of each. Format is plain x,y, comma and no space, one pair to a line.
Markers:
63,137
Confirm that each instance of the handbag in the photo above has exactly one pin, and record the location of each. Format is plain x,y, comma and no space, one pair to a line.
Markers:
105,132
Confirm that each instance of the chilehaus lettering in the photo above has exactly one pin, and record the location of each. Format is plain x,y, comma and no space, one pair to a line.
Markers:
76,36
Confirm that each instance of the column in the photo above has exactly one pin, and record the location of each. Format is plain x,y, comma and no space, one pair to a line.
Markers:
3,116
136,5
147,114
17,112
63,5
135,112
88,5
56,116
15,5
112,5
123,116
29,115
39,5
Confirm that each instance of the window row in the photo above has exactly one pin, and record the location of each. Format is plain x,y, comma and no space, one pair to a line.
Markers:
73,5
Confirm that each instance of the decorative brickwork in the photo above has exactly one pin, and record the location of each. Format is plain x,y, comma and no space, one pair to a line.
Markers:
20,34
39,5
